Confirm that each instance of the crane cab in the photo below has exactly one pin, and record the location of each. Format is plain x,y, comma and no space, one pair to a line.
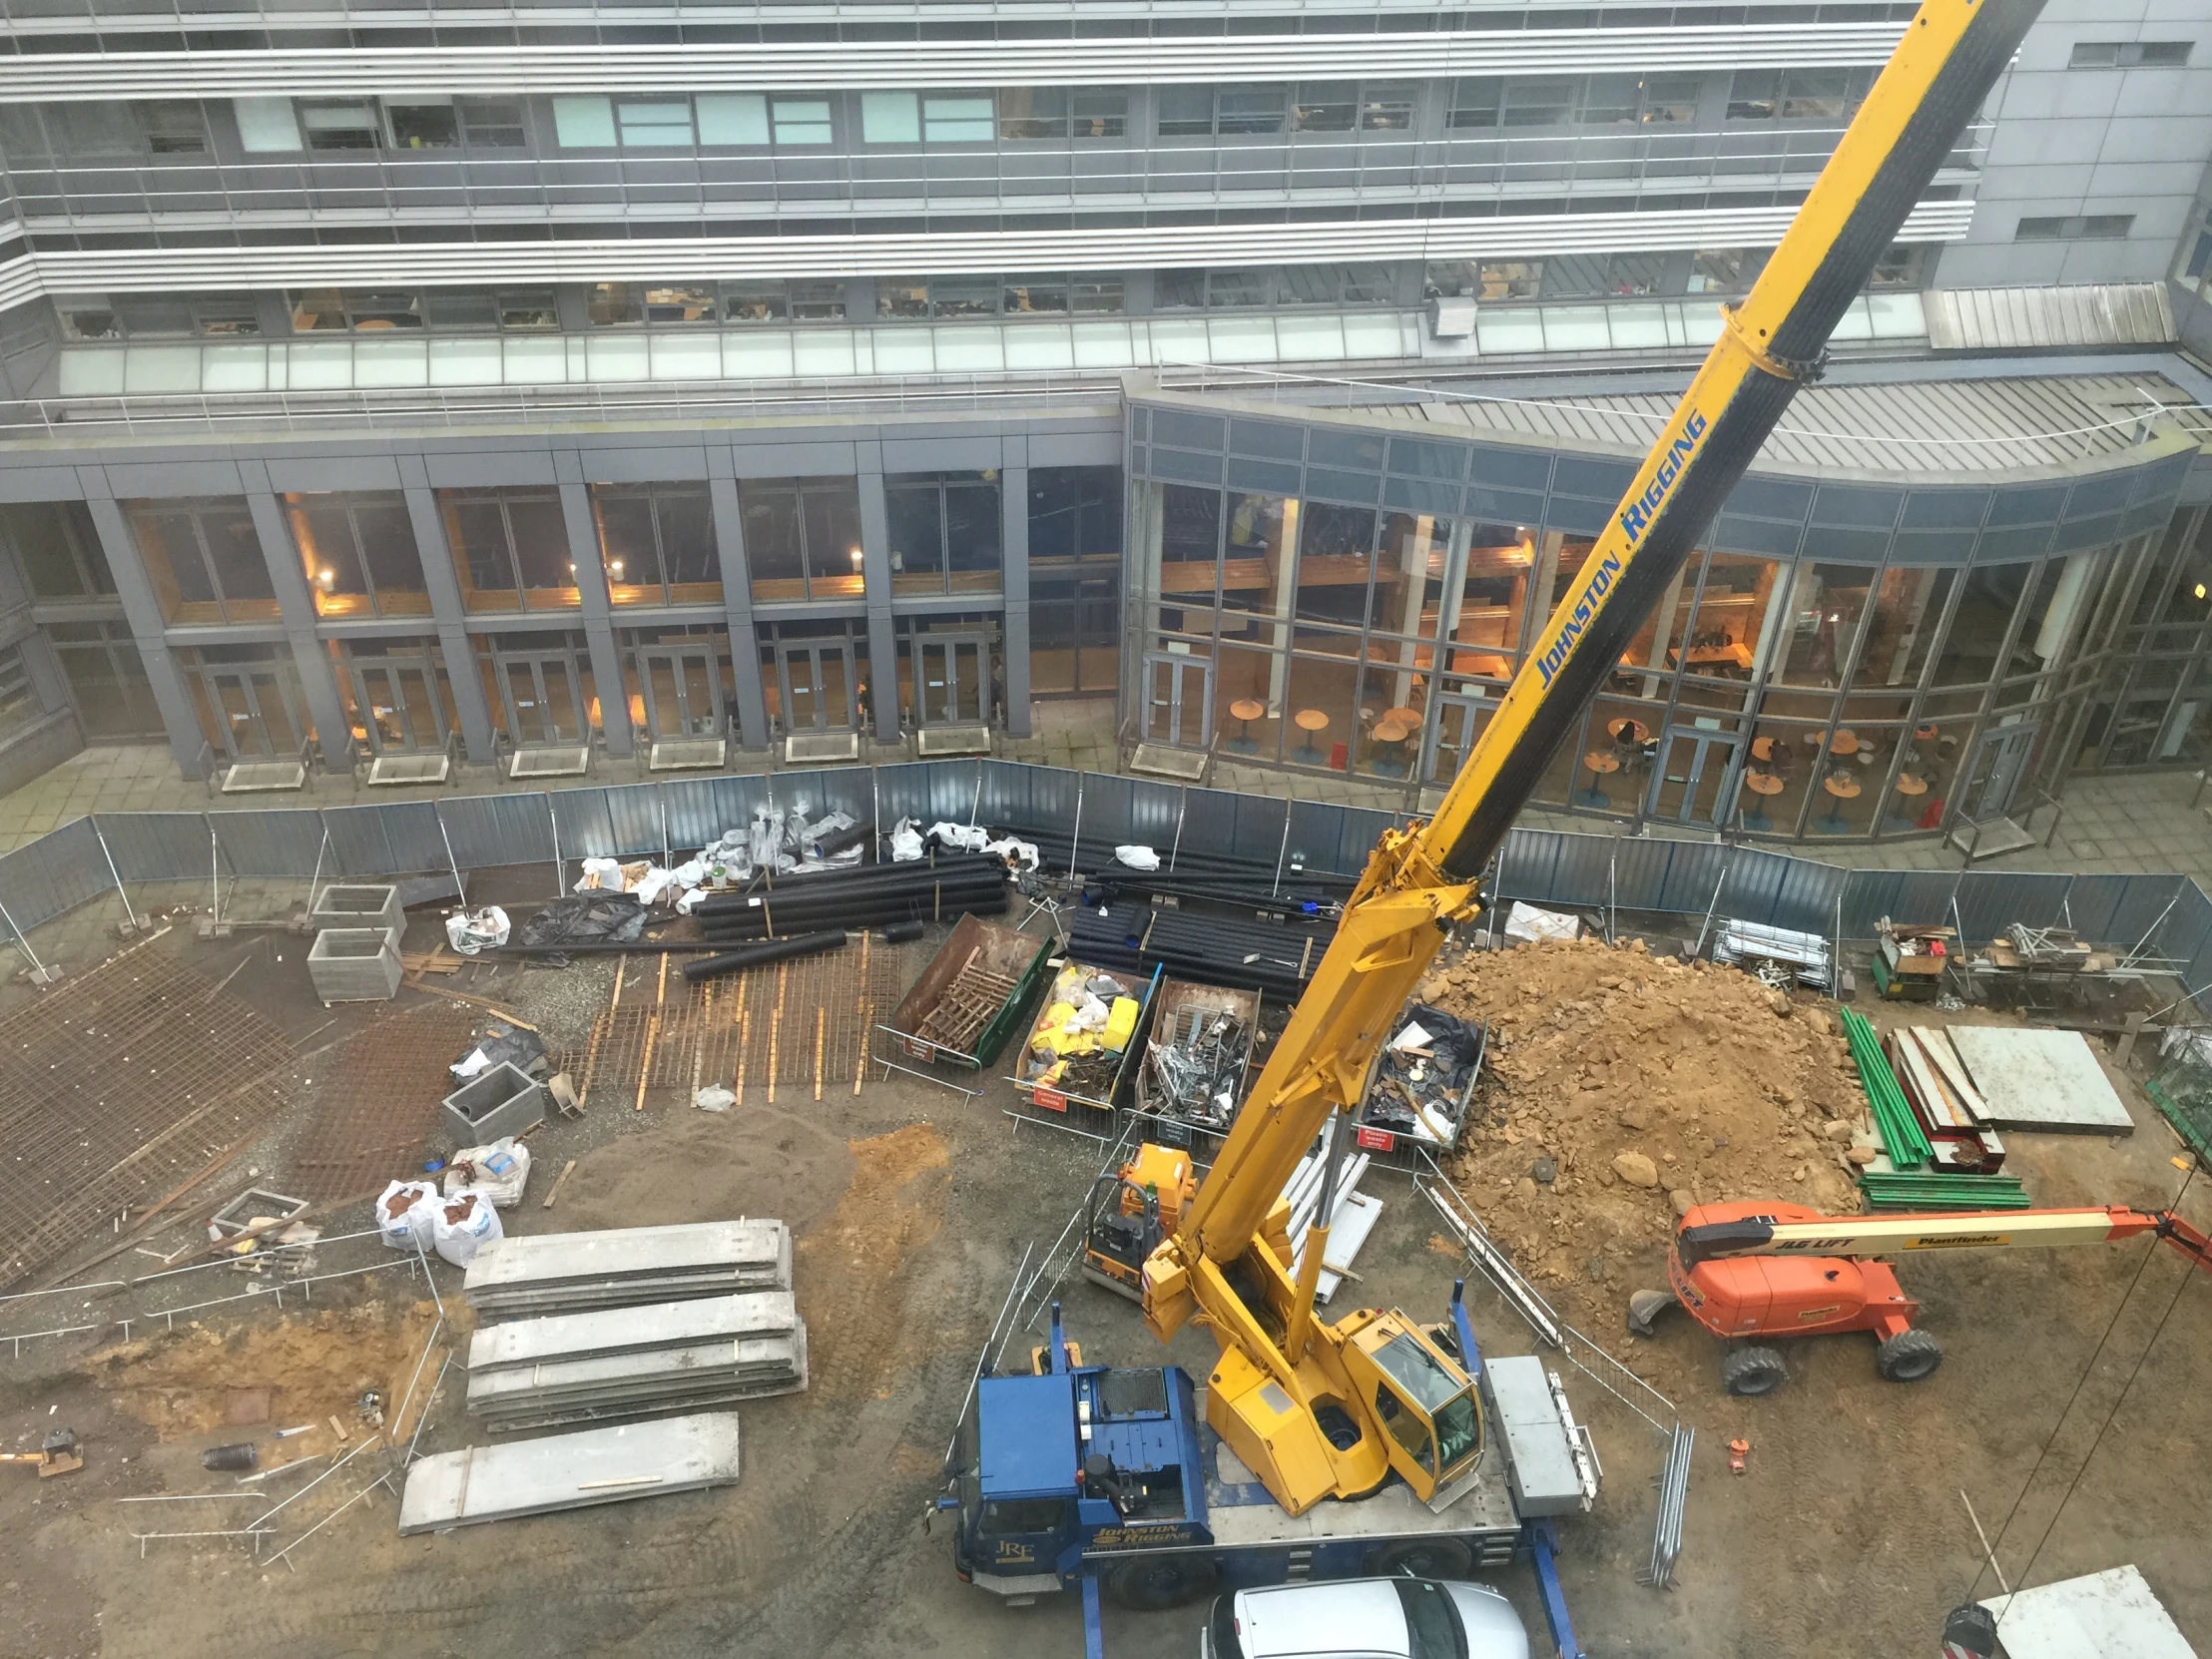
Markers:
1425,1405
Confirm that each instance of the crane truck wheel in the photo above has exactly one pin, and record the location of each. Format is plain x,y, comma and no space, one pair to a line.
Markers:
1909,1357
1754,1370
1146,1586
1424,1559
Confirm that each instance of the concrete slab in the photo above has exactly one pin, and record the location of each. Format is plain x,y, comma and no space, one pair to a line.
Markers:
2040,1081
570,1472
2104,1615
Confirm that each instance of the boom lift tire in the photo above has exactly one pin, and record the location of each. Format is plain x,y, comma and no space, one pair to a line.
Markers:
1146,1586
1751,1372
1909,1357
1424,1558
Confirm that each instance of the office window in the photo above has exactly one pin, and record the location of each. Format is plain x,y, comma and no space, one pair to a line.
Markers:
1228,111
1035,296
527,308
159,317
891,118
1814,94
963,297
816,302
1032,113
584,122
1176,290
2080,228
510,548
1725,269
1326,106
171,128
1899,267
801,537
1612,101
1796,94
91,130
492,122
1475,103
1538,102
340,126
614,304
57,548
658,543
945,532
107,679
902,296
800,121
731,118
434,126
204,560
957,120
1754,94
696,303
2130,54
1093,114
1238,288
460,309
1670,100
316,311
660,125
19,705
267,125
1309,284
756,302
359,553
1510,279
1386,108
1074,512
1096,296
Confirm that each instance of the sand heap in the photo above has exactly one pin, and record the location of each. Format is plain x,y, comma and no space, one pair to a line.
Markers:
1621,1089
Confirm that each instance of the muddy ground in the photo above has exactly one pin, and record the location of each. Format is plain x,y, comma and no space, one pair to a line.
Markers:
1845,1535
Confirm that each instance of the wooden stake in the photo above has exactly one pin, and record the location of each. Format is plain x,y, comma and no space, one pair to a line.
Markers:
645,1060
745,1041
774,1033
660,999
821,1027
868,1029
591,1059
559,1181
621,962
698,1047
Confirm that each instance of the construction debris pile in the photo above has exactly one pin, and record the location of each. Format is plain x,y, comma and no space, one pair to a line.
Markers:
1423,1081
1196,1067
633,1322
1081,1036
1622,1089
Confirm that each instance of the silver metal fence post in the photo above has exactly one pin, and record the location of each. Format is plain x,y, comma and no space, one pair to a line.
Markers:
21,943
460,893
126,897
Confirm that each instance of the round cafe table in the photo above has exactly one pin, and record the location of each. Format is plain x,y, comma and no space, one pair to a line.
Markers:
1310,721
1764,784
1246,710
1843,743
1599,763
1391,731
1761,749
1909,787
1841,788
1620,731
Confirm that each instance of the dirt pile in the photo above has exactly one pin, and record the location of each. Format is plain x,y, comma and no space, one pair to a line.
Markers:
704,1166
1621,1089
313,1366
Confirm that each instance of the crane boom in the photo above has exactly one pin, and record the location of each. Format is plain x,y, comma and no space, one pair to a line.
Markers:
1219,1262
1859,1236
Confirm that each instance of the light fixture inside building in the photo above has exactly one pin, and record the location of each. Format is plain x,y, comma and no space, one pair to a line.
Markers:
327,577
616,567
2200,590
855,558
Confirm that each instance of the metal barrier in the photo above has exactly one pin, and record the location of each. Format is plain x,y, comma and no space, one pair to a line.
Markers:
2168,917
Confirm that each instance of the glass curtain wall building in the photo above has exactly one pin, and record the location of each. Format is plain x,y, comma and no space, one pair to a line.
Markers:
524,378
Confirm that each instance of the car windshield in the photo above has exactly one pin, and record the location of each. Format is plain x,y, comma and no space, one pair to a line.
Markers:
1432,1623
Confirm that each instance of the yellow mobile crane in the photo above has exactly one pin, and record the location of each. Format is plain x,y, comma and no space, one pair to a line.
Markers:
1285,1381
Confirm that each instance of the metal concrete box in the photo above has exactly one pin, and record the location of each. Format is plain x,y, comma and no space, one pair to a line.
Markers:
344,904
355,964
1539,1459
502,1100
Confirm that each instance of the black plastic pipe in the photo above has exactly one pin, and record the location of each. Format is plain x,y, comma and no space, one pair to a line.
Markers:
756,955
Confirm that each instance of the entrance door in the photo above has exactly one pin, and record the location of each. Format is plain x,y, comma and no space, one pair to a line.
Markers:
1999,763
816,682
1696,779
1178,699
544,700
256,711
1455,719
683,691
952,678
397,707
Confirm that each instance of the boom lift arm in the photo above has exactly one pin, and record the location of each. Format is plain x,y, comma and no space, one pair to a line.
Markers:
1286,1386
1863,1236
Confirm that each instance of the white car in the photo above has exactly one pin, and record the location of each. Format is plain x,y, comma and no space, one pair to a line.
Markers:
1364,1618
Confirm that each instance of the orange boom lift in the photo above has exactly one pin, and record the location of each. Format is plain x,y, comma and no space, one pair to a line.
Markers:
1752,1272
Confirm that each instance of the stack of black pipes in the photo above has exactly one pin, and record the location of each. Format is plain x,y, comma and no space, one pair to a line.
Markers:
870,897
1273,959
1197,874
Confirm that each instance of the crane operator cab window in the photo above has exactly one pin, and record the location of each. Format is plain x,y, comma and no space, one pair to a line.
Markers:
1433,1394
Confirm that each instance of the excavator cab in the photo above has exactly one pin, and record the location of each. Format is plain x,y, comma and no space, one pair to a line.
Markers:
1130,1212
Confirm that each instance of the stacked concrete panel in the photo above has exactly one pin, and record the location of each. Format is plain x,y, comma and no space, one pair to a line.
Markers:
569,1471
635,1362
569,1273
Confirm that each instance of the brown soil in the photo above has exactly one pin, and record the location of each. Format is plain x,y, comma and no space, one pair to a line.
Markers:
851,1272
314,1365
1729,1090
702,1166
